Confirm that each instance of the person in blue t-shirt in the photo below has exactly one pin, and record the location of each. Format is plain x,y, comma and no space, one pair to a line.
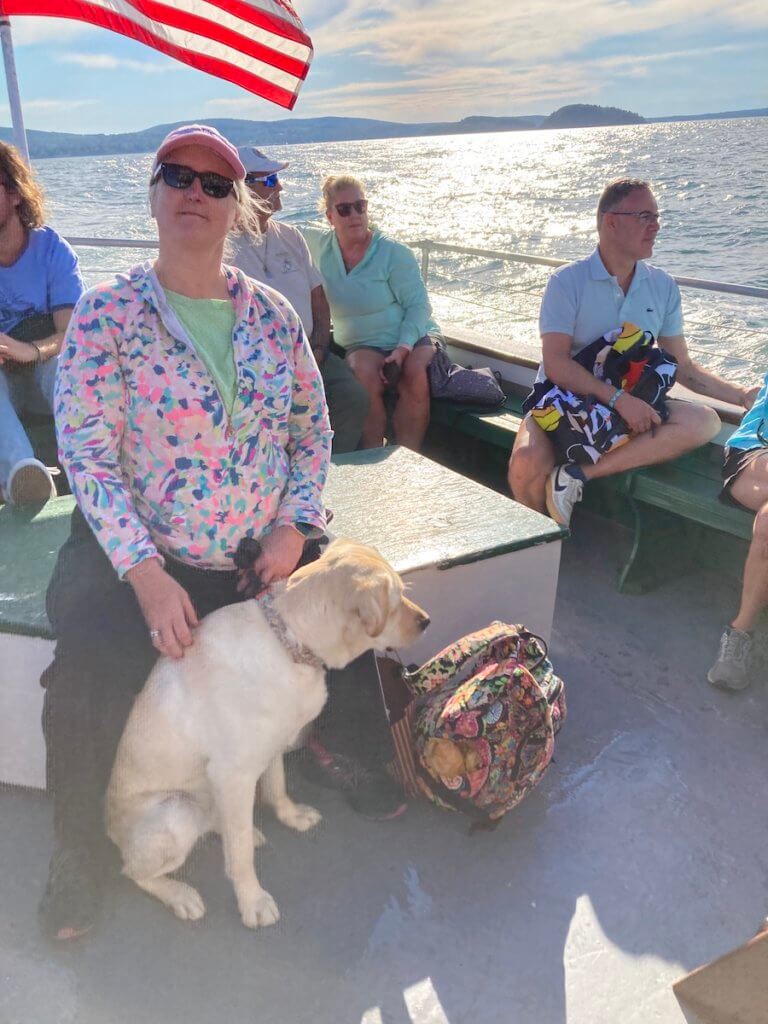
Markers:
586,300
40,283
745,484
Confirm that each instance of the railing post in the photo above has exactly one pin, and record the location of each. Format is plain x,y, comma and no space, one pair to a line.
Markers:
425,247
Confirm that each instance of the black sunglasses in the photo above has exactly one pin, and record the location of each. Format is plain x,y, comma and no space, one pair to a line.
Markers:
270,180
344,209
181,176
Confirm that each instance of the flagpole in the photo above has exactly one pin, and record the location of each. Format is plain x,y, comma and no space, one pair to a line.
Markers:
12,84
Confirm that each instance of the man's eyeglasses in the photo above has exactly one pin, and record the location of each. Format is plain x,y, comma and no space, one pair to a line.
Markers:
180,176
644,216
256,179
344,209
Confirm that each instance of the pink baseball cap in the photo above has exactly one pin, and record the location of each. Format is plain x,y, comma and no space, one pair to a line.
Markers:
200,135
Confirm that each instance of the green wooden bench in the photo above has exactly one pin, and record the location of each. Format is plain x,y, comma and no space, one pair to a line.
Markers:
29,544
467,553
670,508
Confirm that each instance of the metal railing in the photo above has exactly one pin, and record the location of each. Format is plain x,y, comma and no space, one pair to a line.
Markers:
522,297
427,247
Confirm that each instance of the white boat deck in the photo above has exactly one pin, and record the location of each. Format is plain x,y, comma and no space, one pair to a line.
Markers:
642,855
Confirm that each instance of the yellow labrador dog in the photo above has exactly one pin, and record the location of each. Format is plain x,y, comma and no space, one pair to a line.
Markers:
208,728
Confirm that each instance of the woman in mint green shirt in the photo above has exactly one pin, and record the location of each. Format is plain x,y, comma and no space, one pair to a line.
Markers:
380,308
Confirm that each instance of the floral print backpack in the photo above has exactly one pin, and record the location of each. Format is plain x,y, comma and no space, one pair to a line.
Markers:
474,728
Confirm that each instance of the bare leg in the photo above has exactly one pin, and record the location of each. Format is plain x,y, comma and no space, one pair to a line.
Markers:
751,489
688,427
366,366
531,462
411,416
298,816
233,794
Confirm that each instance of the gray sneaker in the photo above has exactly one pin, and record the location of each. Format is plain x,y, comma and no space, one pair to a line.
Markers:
563,491
733,668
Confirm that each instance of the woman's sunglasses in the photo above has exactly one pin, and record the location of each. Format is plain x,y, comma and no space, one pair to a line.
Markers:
344,209
181,176
270,181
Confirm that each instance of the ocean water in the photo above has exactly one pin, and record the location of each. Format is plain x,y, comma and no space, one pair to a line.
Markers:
532,192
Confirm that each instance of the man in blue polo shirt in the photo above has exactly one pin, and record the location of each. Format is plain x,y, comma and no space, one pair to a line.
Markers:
39,285
586,300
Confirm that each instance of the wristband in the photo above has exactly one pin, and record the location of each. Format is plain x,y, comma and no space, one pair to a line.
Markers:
47,348
615,397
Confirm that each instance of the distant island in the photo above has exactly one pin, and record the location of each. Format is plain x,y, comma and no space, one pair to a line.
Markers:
338,129
587,115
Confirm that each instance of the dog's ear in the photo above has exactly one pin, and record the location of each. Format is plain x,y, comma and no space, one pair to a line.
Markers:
372,604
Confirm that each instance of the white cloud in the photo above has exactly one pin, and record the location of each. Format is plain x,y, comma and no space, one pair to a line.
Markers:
33,31
451,92
50,106
483,32
106,62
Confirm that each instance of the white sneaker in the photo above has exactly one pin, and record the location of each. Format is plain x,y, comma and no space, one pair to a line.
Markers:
563,491
30,483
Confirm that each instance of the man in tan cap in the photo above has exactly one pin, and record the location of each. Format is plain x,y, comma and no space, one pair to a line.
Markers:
281,260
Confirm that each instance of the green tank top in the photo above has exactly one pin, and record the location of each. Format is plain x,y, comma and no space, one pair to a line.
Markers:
209,323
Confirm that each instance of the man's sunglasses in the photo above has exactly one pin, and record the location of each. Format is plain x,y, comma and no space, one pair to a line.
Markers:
181,176
256,179
344,209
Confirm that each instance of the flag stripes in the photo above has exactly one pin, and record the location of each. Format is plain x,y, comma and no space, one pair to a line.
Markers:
259,45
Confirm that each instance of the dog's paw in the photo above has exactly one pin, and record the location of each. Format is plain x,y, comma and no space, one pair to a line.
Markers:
259,839
186,902
298,816
259,911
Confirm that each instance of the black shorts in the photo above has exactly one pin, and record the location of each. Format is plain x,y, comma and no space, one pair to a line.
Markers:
426,340
735,461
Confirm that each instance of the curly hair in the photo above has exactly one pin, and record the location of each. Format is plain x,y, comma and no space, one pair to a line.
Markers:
16,176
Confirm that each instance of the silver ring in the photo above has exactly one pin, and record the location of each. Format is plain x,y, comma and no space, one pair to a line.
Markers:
155,634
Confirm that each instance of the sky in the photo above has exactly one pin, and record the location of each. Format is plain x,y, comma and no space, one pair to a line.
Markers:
427,60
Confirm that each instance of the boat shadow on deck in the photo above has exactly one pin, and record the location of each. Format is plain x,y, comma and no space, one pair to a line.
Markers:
641,855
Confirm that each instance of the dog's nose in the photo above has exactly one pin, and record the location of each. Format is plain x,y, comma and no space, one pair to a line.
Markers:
424,621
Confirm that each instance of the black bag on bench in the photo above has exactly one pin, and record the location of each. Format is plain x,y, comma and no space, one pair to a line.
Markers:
462,383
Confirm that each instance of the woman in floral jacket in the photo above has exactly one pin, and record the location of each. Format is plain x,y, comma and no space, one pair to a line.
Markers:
190,414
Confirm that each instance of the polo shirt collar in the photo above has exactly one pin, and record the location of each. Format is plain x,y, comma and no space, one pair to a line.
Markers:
598,271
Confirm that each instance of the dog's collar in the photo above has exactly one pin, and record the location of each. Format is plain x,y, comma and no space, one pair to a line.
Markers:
299,653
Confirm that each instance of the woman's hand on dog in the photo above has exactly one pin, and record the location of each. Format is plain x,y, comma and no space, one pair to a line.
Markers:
281,550
167,609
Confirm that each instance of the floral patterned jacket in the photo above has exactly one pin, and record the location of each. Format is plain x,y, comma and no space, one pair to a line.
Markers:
152,457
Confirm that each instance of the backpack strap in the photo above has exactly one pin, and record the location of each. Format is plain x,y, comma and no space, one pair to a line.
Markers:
446,663
481,820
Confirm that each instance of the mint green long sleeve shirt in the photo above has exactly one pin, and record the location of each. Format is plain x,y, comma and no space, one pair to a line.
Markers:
382,302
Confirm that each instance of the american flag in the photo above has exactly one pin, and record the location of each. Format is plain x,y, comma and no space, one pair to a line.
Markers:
259,45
